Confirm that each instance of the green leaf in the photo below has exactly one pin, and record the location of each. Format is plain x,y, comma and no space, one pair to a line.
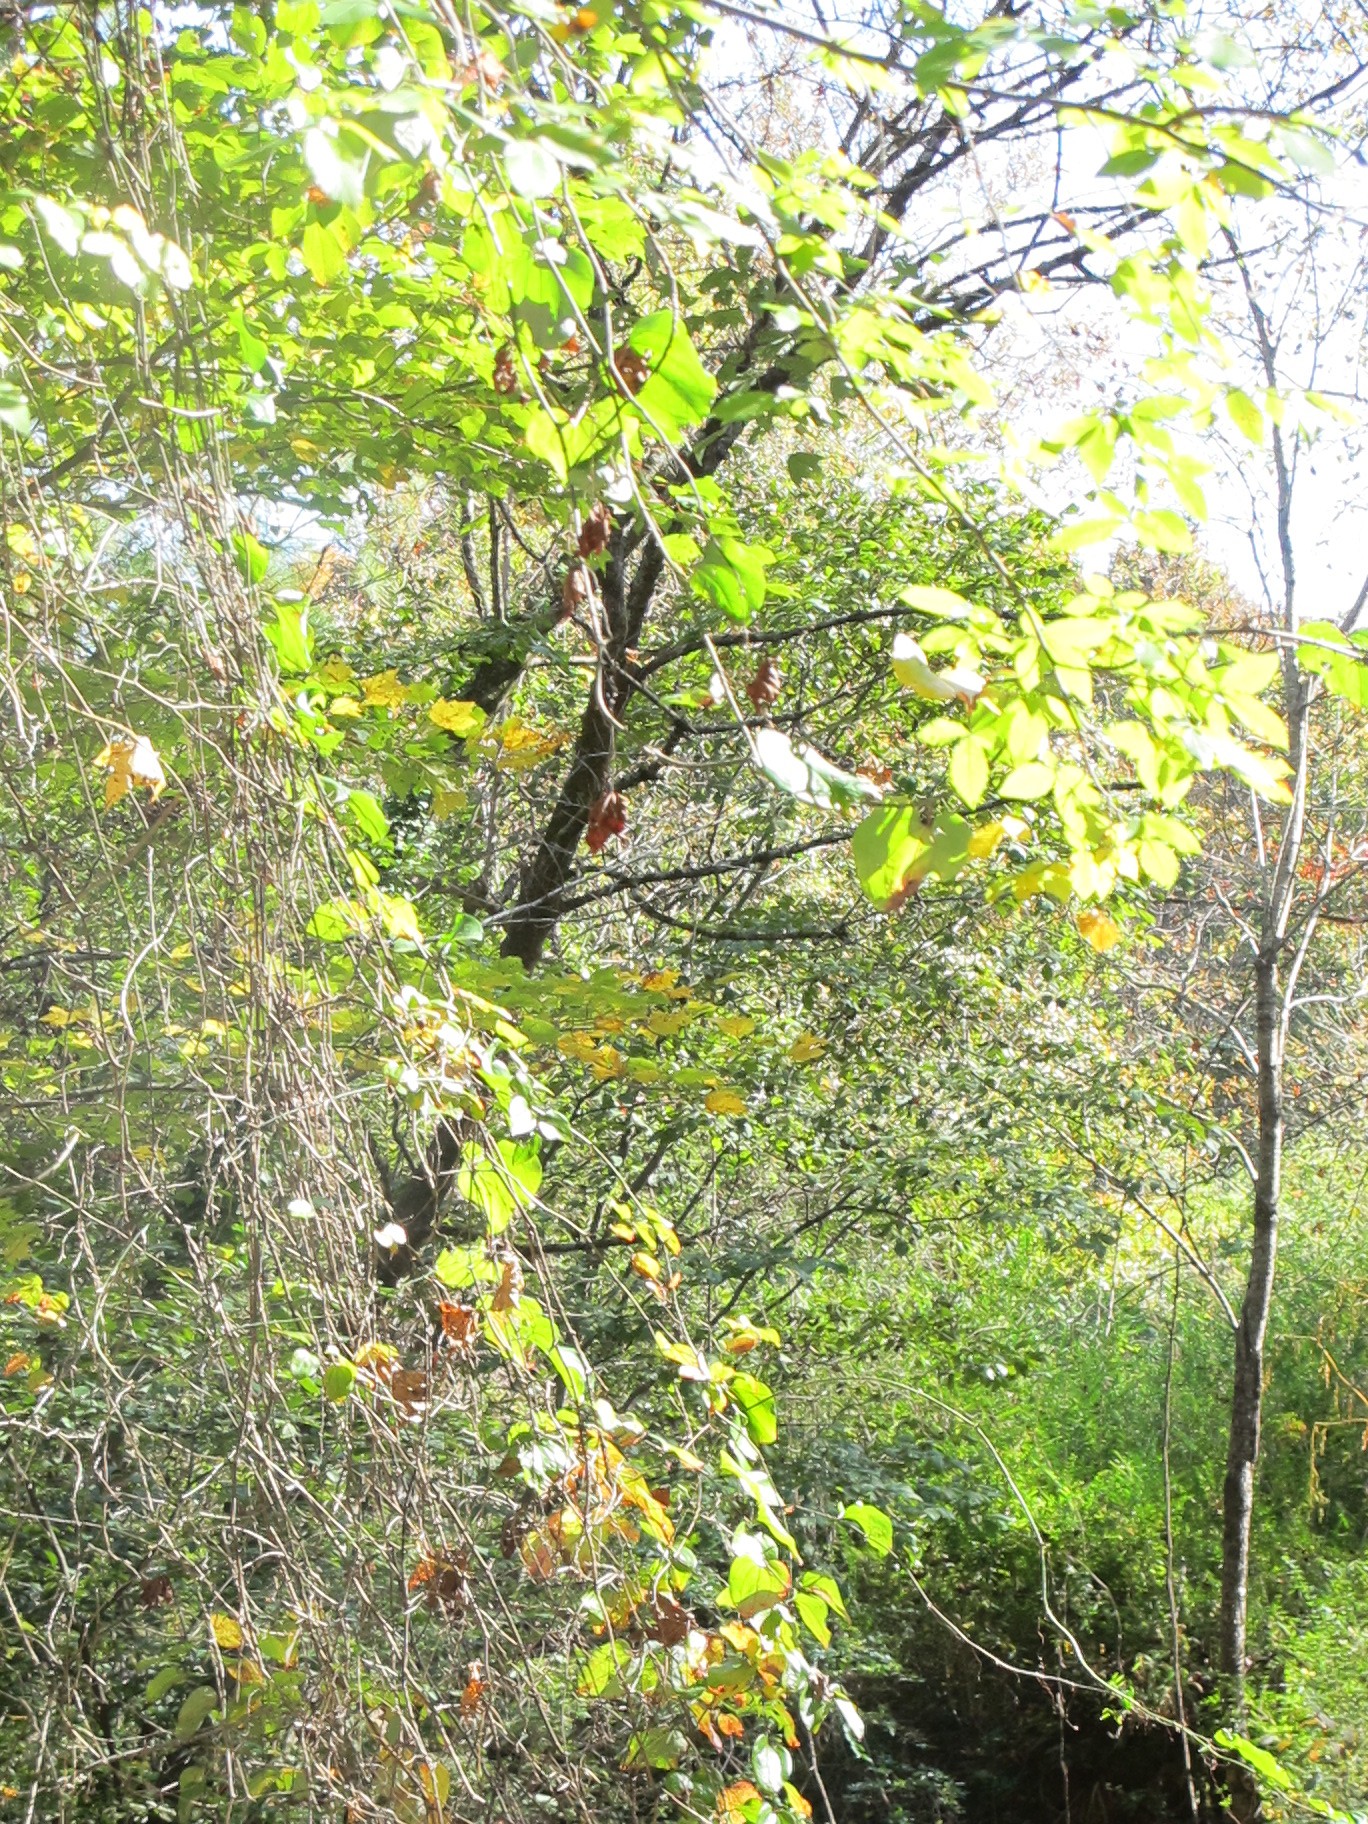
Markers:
662,1749
894,852
1245,415
1159,863
163,1682
323,254
339,1380
1258,1758
14,409
1266,724
768,1766
827,1588
197,1708
252,557
337,919
814,1613
1162,530
289,634
1033,780
545,439
873,1522
503,1184
680,389
887,847
1079,533
461,1268
1070,641
1344,677
731,575
757,1405
969,770
366,812
754,1582
600,1677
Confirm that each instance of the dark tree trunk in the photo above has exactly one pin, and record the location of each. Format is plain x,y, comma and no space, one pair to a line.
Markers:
1246,1409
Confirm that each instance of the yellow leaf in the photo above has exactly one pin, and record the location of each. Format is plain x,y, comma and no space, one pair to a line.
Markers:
336,673
447,799
518,748
384,690
806,1047
1099,929
130,761
666,1025
985,839
227,1632
344,706
665,981
399,917
60,1016
737,1025
376,1355
646,1266
457,717
724,1102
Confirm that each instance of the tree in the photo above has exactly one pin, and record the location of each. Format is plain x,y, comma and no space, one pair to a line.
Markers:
326,1502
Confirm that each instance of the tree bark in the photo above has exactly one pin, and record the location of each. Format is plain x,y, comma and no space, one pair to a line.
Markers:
1246,1409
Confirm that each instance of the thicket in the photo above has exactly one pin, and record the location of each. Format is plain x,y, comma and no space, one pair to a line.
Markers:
645,1042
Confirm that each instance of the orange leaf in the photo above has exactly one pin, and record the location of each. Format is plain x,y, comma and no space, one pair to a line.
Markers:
509,1289
474,1689
1099,929
460,1323
732,1798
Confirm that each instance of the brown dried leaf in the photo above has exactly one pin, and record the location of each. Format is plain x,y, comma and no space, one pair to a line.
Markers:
509,1288
633,370
157,1591
596,530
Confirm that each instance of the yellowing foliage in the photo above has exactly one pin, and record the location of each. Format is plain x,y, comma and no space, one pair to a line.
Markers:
129,761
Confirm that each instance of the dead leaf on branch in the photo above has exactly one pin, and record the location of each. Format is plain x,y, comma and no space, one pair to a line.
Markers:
509,1289
473,1695
156,1592
130,761
460,1324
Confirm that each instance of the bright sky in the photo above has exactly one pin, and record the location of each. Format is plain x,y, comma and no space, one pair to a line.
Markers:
1053,359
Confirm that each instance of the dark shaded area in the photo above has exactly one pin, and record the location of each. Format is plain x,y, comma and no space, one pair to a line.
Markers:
968,1744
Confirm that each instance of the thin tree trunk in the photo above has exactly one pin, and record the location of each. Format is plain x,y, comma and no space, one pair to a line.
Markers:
1246,1410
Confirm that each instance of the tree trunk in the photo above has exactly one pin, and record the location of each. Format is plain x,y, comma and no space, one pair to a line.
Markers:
1246,1407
